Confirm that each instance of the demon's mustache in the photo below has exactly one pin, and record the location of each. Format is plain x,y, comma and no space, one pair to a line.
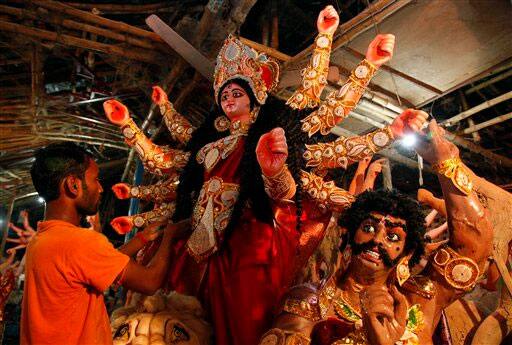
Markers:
370,245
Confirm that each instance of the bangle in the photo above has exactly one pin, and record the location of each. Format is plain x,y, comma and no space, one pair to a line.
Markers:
142,238
280,186
453,169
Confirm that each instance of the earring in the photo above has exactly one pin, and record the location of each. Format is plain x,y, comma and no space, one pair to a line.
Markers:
254,114
221,123
402,270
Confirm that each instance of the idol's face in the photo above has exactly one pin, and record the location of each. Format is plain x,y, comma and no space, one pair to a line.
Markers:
379,242
235,102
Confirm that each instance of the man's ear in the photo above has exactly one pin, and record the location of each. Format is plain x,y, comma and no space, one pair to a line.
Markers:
72,186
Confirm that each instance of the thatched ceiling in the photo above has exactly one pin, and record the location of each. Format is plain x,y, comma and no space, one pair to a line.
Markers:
60,60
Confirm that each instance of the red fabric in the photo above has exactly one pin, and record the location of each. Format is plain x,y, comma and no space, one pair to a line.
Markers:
67,269
241,285
266,75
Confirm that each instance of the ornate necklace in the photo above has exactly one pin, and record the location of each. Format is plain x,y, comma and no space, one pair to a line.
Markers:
212,153
343,308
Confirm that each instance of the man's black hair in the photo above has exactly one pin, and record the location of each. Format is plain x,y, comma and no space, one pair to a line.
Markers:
54,163
395,204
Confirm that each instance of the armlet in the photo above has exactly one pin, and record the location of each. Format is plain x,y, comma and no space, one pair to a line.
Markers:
458,271
280,186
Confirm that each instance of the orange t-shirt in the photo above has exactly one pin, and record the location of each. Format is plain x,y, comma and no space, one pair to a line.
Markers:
67,269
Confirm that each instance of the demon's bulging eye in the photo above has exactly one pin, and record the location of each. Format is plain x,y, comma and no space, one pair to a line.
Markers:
369,228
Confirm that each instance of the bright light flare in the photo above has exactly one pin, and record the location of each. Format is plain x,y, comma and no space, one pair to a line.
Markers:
40,200
409,140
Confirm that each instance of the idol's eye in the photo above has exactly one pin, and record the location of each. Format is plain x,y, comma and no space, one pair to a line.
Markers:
237,94
393,237
223,97
369,228
122,332
179,334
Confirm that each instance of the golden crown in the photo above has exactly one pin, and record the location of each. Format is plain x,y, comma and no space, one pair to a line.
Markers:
238,61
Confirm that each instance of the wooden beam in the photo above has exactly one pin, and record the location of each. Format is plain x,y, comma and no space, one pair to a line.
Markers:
276,54
129,53
487,104
488,123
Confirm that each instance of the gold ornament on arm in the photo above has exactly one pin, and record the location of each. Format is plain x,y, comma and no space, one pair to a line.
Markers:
344,151
314,76
456,171
340,103
280,186
180,128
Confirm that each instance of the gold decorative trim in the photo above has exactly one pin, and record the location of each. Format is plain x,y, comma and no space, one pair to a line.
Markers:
459,271
280,186
277,336
210,154
344,151
456,171
158,160
326,195
211,215
314,76
179,127
340,103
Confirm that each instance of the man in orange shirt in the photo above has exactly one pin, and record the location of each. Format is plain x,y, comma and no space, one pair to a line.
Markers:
68,267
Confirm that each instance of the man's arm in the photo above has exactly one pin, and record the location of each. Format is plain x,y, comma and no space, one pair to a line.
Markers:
150,233
148,279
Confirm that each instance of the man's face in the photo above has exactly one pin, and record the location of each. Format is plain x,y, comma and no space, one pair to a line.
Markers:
89,201
379,241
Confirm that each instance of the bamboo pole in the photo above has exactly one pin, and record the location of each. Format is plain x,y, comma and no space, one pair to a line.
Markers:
90,142
70,24
489,82
488,123
463,101
97,20
487,104
127,8
79,42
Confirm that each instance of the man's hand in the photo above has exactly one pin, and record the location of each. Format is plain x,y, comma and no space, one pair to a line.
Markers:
376,167
328,21
116,112
384,314
409,121
152,231
159,96
381,49
121,190
434,147
363,164
272,151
